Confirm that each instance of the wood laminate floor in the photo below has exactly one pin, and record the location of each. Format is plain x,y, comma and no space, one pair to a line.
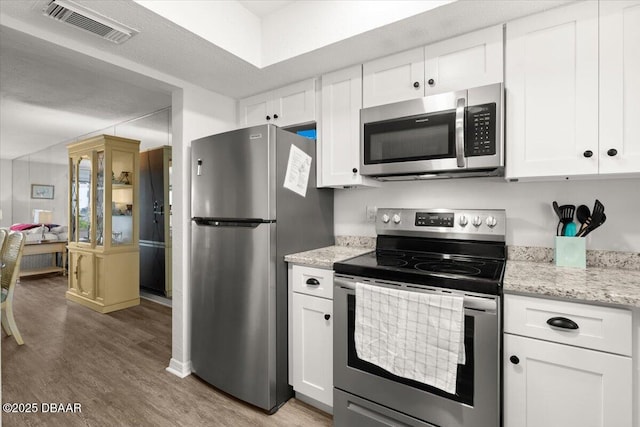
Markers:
114,366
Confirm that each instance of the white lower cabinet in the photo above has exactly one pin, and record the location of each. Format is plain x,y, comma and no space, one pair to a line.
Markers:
556,385
554,377
311,333
313,347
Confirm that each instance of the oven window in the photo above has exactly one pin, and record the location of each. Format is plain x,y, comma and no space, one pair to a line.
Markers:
464,385
411,139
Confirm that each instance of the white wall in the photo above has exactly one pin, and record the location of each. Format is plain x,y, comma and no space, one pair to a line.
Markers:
530,217
196,113
26,173
314,24
6,170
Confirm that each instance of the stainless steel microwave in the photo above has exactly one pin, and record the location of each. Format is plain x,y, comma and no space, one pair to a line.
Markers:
452,134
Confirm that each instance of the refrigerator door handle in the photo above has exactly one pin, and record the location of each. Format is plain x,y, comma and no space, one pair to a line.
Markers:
235,222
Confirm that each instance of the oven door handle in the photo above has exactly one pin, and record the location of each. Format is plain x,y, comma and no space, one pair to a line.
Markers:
471,302
460,107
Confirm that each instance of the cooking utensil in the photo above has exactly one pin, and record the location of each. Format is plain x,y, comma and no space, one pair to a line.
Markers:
556,209
566,217
594,226
570,229
595,220
582,215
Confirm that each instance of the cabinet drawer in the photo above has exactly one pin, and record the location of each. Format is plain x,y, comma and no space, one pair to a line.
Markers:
599,328
313,281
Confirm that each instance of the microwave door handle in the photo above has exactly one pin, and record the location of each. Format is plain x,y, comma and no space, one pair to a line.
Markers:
460,105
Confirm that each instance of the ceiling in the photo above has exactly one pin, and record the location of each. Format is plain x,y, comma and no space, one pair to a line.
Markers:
262,8
50,93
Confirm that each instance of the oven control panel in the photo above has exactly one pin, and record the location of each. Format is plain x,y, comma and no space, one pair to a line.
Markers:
434,219
470,224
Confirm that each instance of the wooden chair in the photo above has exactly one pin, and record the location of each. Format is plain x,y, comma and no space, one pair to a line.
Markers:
11,256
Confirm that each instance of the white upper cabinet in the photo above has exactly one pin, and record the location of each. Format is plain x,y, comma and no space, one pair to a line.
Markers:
339,136
470,60
254,110
291,105
393,78
573,92
619,149
551,80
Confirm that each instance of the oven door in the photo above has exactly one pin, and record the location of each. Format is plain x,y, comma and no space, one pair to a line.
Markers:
414,137
477,398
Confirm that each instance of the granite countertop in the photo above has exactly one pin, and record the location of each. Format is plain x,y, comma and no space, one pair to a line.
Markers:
610,277
593,284
325,257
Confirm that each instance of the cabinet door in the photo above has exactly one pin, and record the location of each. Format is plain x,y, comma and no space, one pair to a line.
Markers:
555,385
254,110
294,104
619,86
393,78
471,60
551,80
339,142
312,337
81,274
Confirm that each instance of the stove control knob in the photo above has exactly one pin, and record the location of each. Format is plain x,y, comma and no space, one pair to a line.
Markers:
463,221
477,221
385,218
396,219
491,221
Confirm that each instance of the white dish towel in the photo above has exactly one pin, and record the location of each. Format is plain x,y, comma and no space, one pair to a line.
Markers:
414,335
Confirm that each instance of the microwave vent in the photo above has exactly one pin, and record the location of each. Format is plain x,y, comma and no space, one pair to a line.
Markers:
80,17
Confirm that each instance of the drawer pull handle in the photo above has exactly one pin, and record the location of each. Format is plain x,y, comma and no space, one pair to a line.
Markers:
313,282
327,316
562,322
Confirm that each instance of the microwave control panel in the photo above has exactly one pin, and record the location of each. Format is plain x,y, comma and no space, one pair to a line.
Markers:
480,137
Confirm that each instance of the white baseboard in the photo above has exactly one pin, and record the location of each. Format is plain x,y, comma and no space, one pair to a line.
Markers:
179,369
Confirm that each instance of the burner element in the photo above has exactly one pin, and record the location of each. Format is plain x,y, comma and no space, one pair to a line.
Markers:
450,267
389,253
391,262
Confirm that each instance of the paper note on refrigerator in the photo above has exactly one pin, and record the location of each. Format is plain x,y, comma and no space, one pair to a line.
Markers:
298,169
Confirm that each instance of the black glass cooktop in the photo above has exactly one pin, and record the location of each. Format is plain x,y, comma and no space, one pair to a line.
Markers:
471,266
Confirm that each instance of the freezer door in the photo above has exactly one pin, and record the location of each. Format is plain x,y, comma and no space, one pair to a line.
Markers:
233,309
152,267
233,174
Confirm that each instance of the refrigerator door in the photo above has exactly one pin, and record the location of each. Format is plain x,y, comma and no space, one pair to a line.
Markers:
233,174
233,308
152,195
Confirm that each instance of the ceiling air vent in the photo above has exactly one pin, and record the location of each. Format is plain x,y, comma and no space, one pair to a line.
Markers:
88,20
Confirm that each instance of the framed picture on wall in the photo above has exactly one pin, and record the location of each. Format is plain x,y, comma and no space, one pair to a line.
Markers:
41,191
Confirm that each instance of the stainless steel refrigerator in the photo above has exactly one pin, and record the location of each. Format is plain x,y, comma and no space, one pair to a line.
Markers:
244,222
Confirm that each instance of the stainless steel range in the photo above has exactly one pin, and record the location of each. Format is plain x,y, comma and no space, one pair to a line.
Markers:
436,251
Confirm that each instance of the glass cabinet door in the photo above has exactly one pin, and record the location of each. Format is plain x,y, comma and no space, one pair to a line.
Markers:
100,199
73,199
84,199
122,198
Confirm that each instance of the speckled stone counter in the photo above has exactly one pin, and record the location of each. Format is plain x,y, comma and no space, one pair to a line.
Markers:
601,285
325,257
610,278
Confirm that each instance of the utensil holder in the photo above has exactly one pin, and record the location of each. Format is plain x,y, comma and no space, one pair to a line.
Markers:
570,252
